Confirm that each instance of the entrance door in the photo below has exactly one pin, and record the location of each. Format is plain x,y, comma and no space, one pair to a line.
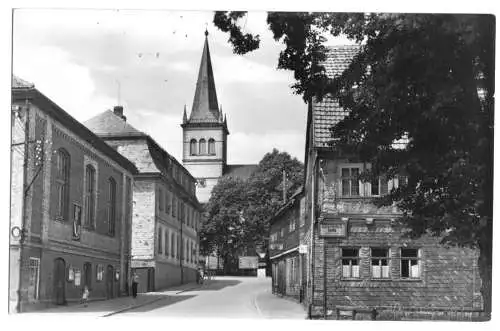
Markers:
87,275
109,282
59,295
151,280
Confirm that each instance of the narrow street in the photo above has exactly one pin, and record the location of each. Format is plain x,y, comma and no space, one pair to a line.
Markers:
224,297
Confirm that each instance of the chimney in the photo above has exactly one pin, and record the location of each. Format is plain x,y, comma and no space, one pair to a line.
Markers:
118,110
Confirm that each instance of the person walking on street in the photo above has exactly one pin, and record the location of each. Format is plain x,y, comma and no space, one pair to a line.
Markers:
85,296
135,284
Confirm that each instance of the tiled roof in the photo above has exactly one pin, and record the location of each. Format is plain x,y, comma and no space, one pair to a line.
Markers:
327,113
21,83
242,171
109,124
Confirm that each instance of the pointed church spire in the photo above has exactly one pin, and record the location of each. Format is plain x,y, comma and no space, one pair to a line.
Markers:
184,118
205,106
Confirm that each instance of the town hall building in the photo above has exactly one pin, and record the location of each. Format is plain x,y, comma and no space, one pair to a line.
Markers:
205,135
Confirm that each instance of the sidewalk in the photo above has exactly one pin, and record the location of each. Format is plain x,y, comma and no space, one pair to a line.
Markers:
272,306
105,308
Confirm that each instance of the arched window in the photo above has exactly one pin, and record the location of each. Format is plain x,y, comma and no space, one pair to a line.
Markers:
111,206
203,146
192,147
90,190
211,146
62,184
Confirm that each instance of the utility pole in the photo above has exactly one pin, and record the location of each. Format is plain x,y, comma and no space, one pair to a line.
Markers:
23,214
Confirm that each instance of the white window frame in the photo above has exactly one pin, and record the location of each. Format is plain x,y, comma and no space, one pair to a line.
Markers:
350,166
418,259
380,264
357,258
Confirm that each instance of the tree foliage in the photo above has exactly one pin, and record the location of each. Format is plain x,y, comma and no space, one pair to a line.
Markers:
428,78
238,211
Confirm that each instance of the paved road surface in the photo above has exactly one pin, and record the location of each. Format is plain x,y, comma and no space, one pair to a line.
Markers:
224,297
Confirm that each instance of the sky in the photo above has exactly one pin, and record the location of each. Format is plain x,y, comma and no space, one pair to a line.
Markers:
88,60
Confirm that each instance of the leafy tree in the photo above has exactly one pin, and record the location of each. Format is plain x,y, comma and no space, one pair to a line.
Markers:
238,210
428,78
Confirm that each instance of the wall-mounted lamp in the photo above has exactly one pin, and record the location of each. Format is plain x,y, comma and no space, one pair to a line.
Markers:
369,220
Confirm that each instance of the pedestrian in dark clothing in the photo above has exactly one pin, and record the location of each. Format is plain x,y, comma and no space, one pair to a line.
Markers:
135,284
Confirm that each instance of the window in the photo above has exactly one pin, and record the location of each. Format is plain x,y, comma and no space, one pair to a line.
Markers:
62,185
167,246
160,241
180,211
282,232
174,206
211,146
111,206
177,253
380,186
192,147
90,196
203,146
350,182
167,202
100,272
291,225
410,263
34,280
161,199
350,263
380,263
172,244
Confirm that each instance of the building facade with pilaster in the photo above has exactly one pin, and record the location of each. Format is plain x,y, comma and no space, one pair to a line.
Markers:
70,207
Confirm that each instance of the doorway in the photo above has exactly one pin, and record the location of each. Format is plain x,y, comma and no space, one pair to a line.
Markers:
109,282
59,292
87,275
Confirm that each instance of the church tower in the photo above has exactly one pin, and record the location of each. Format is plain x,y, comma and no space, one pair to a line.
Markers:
205,132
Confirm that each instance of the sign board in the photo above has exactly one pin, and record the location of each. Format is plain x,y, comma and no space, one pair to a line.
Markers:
333,229
248,262
262,264
211,263
142,264
302,249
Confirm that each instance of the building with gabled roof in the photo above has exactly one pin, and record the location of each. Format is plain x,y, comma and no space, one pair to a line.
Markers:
358,263
164,250
70,216
205,134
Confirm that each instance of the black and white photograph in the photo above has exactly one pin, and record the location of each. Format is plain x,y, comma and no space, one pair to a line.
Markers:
251,164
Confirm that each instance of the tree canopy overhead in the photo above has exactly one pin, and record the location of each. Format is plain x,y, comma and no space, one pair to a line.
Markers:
426,77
